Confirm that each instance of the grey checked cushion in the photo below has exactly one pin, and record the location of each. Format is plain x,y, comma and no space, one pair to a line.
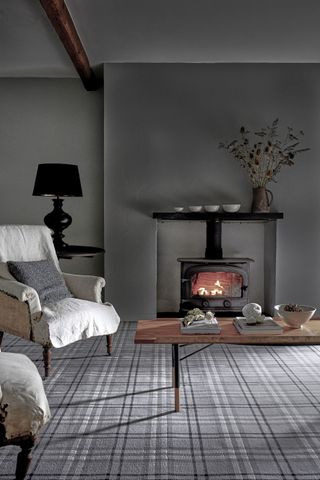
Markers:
43,276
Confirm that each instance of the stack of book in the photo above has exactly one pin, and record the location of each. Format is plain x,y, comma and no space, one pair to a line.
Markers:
267,327
207,326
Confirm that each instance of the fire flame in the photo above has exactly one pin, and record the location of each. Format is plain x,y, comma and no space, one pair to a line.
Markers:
218,290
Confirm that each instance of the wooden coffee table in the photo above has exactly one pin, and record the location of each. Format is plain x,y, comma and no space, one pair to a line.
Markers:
167,331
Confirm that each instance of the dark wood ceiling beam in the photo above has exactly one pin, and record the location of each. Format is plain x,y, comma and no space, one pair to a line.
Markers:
61,21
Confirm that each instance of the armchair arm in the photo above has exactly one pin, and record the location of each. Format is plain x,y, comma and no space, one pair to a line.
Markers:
85,287
23,293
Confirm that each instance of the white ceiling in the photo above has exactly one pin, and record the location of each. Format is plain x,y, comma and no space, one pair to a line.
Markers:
160,31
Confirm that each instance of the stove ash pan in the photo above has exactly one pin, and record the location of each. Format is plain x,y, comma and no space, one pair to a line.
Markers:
217,285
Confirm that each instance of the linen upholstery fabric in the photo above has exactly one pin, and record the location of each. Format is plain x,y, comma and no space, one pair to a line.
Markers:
4,271
58,325
21,292
72,319
22,390
86,287
43,276
23,243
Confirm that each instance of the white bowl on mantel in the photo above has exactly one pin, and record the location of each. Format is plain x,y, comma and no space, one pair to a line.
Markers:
178,209
195,208
295,319
231,207
211,208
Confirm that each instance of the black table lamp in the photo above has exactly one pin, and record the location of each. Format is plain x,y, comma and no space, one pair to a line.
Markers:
57,180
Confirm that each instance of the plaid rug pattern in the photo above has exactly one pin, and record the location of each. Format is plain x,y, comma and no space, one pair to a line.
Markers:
247,413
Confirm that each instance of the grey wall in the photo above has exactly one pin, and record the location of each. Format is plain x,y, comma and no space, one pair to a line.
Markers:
162,126
44,121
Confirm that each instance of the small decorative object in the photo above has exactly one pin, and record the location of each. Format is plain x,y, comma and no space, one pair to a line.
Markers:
292,307
211,208
196,321
253,313
294,315
196,315
261,200
231,207
195,208
263,154
57,180
178,209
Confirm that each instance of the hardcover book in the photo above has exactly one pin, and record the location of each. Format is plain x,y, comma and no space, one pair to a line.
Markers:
202,326
268,326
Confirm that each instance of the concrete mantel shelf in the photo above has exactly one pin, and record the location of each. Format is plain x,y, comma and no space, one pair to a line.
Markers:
219,216
214,222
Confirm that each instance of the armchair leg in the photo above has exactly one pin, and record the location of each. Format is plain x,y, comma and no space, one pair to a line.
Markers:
24,458
109,344
1,338
46,360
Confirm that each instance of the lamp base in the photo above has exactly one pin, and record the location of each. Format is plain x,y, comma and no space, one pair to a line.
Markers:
58,220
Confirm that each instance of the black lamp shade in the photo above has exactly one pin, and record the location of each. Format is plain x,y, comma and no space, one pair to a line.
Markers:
57,180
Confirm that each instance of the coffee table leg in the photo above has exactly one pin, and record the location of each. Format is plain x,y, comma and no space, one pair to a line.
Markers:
176,376
173,367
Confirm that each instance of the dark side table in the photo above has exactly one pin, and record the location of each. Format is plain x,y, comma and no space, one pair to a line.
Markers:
70,251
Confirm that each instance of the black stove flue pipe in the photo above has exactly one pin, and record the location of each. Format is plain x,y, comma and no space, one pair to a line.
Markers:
213,238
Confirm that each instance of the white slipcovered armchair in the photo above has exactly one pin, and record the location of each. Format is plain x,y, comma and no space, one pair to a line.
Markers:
53,324
24,407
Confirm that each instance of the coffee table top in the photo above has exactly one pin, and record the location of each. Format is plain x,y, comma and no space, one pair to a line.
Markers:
167,330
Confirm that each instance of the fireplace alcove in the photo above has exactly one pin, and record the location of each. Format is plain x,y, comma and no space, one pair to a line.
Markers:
222,302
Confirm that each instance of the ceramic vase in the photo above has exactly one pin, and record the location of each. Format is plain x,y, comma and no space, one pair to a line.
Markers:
261,200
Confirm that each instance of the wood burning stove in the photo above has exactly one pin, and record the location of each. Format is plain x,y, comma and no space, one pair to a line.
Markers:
219,285
214,283
230,300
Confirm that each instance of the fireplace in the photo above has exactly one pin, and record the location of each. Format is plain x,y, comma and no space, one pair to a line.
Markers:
219,285
238,288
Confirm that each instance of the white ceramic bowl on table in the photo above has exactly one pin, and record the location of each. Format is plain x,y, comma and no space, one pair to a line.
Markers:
195,208
211,208
231,207
295,319
178,209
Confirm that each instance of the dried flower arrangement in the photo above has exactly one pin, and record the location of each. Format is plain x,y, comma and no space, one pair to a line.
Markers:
263,158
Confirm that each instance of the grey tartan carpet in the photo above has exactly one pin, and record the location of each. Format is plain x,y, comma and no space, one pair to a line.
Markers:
248,413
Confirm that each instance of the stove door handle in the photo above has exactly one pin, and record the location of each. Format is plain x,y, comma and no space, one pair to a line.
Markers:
243,289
